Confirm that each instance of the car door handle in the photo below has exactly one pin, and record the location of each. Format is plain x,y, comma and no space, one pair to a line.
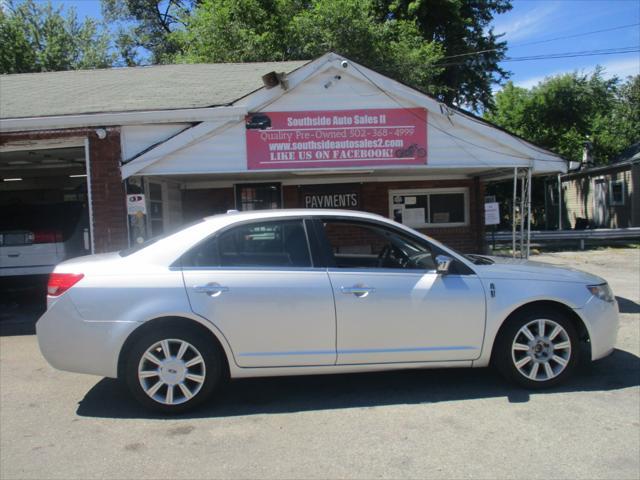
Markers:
211,289
357,290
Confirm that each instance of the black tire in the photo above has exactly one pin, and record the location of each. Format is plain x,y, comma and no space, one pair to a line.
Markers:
212,367
504,358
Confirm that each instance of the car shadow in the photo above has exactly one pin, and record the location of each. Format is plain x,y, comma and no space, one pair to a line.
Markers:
22,302
627,306
110,399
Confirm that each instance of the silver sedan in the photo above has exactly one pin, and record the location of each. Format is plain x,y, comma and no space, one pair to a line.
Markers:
292,292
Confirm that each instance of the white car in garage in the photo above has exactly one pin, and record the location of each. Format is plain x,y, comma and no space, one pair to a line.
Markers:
291,292
35,238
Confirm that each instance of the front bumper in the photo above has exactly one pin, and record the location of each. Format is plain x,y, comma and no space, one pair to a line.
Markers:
68,342
602,321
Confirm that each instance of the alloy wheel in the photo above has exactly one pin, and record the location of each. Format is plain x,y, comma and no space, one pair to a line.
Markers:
171,371
541,350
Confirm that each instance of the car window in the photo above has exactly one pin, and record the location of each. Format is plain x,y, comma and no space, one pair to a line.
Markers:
259,244
367,245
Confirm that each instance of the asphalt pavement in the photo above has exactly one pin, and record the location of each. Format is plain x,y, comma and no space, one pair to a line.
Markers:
412,424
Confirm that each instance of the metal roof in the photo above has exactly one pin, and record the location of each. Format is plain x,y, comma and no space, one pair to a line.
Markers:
160,87
628,157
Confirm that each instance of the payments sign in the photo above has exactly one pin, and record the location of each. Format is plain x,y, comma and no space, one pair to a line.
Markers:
333,139
330,196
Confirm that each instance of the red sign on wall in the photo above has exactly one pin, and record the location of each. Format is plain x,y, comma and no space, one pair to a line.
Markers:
333,139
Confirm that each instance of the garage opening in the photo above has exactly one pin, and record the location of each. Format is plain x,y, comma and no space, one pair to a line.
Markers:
44,216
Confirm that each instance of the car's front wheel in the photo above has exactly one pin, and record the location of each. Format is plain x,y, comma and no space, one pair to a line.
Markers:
537,349
173,369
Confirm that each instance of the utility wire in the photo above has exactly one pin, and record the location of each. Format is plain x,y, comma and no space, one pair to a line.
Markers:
551,56
536,42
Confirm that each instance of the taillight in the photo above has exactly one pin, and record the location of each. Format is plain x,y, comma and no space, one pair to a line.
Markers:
61,282
47,236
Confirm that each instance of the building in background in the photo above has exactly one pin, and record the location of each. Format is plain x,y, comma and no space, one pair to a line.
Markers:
148,149
606,196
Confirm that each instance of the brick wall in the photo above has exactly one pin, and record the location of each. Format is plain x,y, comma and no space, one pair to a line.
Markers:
107,192
107,188
375,199
201,203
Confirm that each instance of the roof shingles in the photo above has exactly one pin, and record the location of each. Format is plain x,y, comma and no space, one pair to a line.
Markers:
161,87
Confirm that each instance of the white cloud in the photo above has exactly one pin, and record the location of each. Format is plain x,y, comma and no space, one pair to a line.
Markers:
533,81
621,68
527,25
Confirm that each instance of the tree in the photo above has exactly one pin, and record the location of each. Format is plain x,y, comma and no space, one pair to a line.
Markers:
147,25
562,112
274,30
463,29
415,30
37,37
392,46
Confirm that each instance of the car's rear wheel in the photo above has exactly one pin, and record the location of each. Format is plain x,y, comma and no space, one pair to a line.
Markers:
538,349
173,369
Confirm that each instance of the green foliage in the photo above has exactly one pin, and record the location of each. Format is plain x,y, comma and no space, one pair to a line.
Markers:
272,30
562,112
147,25
37,37
391,46
232,31
401,38
460,27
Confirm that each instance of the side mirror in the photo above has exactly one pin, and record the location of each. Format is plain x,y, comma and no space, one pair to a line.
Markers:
443,262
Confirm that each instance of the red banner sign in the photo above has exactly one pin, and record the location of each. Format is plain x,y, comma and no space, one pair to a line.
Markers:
333,139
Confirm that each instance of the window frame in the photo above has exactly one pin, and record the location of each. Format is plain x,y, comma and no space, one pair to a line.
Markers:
432,191
327,258
237,194
612,201
313,254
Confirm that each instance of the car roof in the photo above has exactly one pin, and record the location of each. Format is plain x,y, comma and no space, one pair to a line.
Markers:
294,212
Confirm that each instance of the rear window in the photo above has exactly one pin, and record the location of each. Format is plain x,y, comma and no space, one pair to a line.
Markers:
59,219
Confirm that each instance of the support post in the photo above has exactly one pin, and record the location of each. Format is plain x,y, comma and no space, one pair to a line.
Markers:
513,212
559,203
522,213
529,172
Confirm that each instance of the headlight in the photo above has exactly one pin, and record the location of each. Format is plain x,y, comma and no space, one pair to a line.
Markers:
602,291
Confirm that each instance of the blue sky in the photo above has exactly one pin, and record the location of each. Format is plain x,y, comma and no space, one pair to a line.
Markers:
538,20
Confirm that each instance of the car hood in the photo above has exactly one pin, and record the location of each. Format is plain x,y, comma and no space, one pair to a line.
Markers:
519,269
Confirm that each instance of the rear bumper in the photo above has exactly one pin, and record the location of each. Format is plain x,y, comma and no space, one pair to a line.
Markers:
71,343
602,323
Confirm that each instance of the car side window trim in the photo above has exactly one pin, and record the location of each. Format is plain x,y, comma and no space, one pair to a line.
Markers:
328,257
180,263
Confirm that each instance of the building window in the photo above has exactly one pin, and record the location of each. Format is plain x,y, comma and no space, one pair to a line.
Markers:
156,213
440,207
616,192
258,196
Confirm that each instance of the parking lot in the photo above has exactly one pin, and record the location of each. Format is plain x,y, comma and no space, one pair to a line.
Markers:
413,424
